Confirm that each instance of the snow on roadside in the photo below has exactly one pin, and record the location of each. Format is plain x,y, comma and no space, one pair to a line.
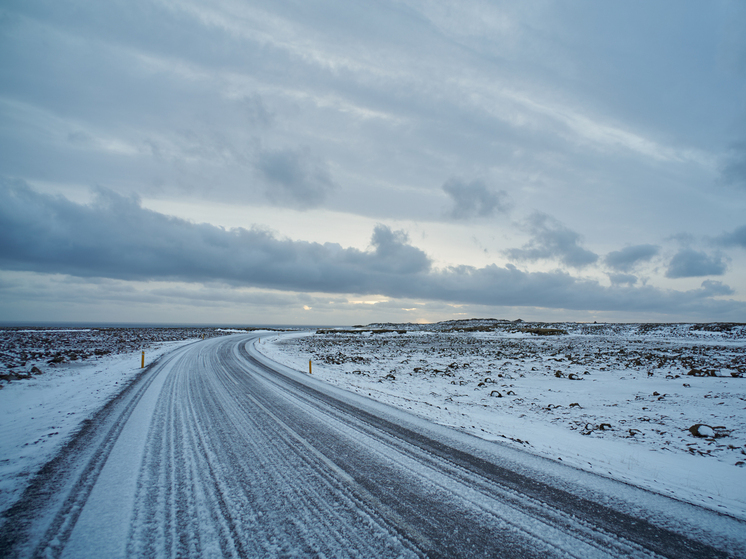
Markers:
38,414
617,404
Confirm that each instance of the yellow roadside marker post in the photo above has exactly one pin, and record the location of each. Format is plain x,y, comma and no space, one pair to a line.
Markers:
309,366
142,361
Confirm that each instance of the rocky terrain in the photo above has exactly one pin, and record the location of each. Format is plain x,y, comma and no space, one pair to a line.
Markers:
31,351
672,387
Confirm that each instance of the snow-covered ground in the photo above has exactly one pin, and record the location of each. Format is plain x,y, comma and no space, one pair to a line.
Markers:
613,399
51,380
619,400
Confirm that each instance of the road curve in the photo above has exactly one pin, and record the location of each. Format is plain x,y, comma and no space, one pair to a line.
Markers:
216,452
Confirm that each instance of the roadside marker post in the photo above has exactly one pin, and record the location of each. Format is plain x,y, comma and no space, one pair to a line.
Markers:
309,366
142,361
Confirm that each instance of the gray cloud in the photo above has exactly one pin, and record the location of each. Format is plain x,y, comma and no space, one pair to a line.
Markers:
396,98
626,259
552,240
734,238
508,286
256,110
116,238
734,170
621,279
689,263
395,254
714,288
295,178
474,199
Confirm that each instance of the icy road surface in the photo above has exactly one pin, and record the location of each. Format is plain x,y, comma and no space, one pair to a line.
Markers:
218,452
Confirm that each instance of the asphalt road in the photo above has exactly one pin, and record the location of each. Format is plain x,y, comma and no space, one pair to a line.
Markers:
216,452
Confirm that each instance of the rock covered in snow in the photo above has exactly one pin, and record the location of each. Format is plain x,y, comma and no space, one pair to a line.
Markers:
702,430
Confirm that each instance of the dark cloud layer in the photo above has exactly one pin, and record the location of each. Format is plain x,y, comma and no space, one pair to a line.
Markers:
474,199
626,259
715,288
734,238
116,238
689,263
552,240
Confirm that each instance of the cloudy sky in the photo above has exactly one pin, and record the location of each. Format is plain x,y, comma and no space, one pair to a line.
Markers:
337,162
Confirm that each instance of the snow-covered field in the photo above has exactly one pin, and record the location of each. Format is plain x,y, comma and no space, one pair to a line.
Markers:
51,380
658,406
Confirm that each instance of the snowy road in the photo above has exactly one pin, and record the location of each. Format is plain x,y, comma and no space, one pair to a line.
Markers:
216,452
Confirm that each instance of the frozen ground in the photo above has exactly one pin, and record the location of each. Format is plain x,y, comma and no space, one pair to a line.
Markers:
51,380
619,400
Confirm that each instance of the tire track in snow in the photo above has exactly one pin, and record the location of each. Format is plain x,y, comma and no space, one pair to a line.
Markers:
616,532
41,522
261,505
238,460
512,503
518,535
